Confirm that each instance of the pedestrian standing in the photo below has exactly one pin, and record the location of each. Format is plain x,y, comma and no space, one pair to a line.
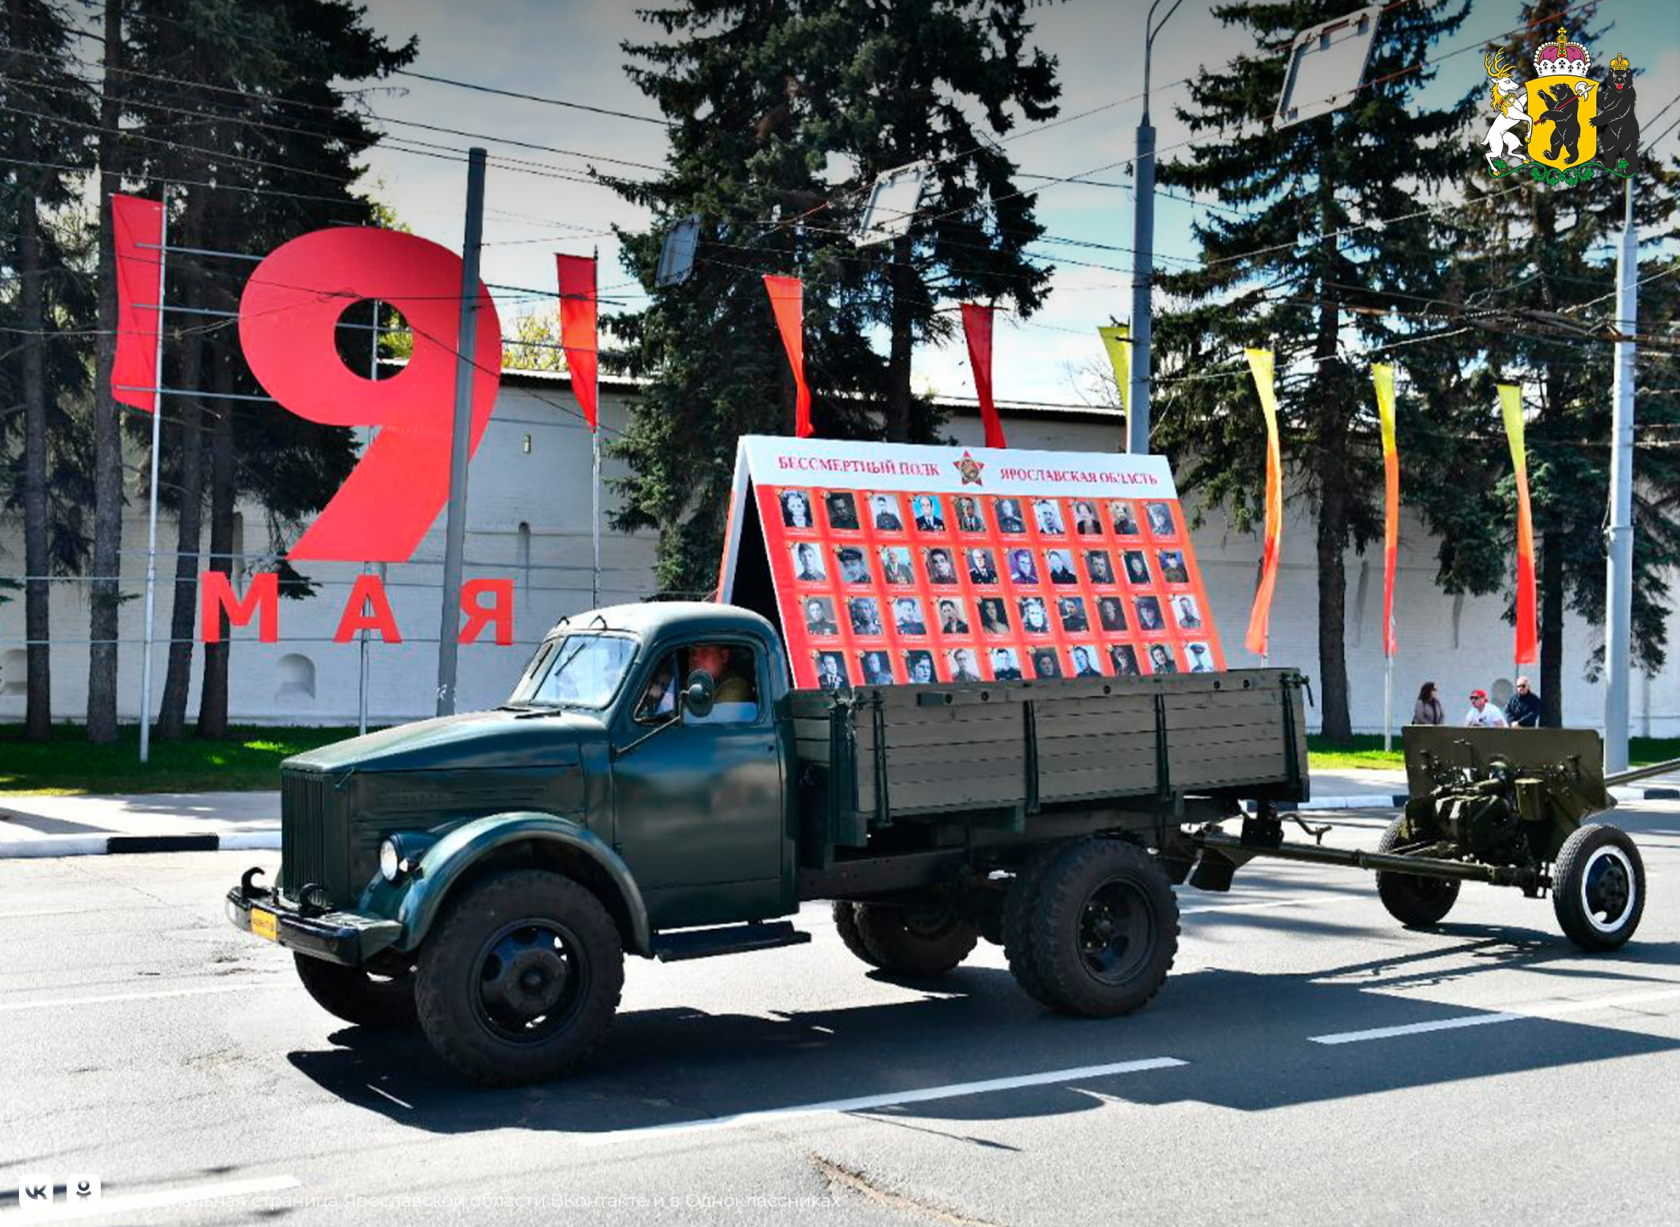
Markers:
1482,714
1523,711
1428,709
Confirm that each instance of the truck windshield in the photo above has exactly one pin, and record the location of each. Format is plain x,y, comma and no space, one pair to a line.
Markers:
575,671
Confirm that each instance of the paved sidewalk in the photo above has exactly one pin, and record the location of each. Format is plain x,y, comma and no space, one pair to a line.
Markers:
145,822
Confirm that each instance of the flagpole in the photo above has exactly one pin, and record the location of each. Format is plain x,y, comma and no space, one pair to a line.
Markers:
152,498
595,451
1388,704
362,663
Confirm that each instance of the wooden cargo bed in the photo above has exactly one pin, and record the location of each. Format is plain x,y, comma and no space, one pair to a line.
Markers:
1002,751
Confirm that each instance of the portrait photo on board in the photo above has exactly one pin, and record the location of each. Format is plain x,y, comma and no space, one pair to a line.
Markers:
1123,657
1008,513
1048,516
1149,614
865,613
1044,663
1034,619
796,509
1060,565
1160,519
854,569
884,513
963,665
1084,658
1160,659
842,510
877,668
1111,613
907,616
1123,518
1099,566
1022,568
831,671
1004,666
925,513
981,568
1200,658
1137,567
968,515
895,565
808,563
994,615
1173,569
918,667
1085,521
819,616
1071,610
938,565
953,619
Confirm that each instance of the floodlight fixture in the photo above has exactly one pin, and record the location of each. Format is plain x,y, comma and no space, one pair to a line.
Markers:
676,257
892,204
1326,66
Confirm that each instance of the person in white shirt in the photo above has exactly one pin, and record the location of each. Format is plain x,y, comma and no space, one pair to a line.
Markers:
1482,714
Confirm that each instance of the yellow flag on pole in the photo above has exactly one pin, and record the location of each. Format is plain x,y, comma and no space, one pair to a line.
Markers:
1383,377
1117,339
1259,618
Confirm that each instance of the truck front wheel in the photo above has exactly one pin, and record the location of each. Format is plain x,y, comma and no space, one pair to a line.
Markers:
385,1003
1104,929
520,979
914,941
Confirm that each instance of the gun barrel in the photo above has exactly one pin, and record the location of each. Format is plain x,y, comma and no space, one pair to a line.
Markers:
1641,773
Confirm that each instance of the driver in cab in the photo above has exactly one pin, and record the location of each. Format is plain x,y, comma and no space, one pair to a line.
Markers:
733,697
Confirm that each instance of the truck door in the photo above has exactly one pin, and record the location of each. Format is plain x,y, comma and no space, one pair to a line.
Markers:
699,805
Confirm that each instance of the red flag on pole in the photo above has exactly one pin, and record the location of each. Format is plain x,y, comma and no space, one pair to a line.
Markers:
787,300
977,327
137,237
577,329
1528,638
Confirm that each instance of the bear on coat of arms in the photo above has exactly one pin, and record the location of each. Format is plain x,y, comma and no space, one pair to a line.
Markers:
1618,126
1565,115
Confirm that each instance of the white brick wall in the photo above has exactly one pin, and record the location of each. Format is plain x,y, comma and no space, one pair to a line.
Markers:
1458,644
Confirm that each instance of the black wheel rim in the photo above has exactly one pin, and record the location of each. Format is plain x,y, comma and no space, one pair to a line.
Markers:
1607,889
529,981
1430,890
1116,931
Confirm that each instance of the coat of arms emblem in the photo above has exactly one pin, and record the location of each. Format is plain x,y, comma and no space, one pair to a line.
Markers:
1566,124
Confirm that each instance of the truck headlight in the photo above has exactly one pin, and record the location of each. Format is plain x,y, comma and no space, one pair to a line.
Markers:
390,859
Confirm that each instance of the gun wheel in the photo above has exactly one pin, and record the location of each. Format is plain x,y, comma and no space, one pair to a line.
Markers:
1598,887
383,1003
1416,902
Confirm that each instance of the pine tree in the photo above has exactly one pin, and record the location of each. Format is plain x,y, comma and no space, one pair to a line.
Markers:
763,98
742,160
1298,274
43,129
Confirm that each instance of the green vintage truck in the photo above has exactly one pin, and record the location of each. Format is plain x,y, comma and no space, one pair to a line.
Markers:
654,786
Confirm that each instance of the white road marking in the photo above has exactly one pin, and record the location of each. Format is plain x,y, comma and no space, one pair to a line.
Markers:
1242,907
864,1103
131,1203
6,1006
1540,1010
388,1095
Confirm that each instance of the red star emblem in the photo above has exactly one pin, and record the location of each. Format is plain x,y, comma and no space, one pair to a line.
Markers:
970,468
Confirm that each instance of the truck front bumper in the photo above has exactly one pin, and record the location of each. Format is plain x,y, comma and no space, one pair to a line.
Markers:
339,937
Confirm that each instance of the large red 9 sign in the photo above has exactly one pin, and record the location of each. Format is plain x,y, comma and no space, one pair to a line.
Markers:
288,317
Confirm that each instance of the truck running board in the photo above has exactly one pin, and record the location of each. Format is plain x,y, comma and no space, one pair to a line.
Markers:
727,939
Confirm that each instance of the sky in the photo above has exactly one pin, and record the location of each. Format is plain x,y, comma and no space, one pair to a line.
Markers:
569,50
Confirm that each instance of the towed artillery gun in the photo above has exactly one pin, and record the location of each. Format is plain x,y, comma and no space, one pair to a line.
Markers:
1503,806
484,875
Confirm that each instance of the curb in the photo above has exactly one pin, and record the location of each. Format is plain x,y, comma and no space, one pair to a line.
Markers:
107,845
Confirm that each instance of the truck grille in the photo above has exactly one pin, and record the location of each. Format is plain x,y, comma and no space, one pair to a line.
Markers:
312,833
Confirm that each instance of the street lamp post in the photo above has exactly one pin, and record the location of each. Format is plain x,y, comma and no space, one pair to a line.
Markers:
1143,251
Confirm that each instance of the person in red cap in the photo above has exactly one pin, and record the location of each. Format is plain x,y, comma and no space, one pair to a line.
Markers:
1482,714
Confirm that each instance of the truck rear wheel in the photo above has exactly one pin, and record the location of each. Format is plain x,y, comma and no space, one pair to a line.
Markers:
385,1003
1018,905
1103,928
520,979
1598,887
914,941
1416,902
845,923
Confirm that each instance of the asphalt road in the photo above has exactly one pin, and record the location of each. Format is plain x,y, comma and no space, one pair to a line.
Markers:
1488,1072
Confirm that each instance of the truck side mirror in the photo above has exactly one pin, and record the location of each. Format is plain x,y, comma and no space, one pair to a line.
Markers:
697,696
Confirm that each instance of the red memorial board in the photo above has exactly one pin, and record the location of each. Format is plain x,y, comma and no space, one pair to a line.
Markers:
892,563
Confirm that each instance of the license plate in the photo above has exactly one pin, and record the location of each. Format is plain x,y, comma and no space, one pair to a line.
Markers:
265,924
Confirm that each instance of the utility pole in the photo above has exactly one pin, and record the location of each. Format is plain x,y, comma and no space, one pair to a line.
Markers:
1618,639
455,521
1143,251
